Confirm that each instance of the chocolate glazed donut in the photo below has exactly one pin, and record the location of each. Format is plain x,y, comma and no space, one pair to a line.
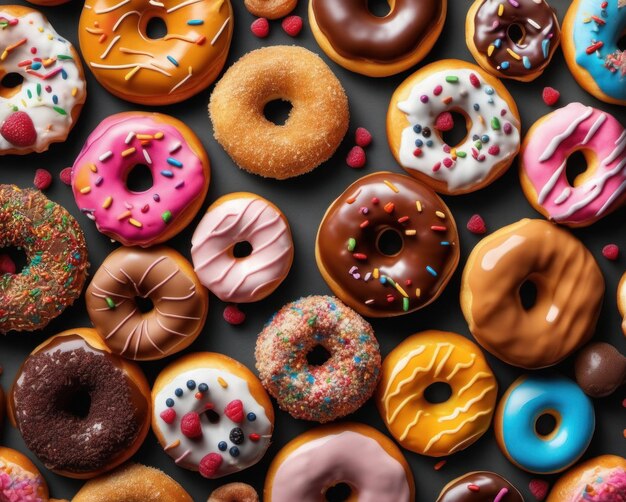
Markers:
486,487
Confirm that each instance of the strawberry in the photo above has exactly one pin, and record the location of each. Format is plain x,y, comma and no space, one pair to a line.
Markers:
234,316
43,179
550,96
210,464
292,25
260,27
234,411
362,137
190,425
476,225
538,488
444,122
168,415
356,157
19,130
66,176
610,252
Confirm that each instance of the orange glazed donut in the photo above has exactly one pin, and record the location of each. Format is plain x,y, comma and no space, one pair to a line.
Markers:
271,9
20,480
114,42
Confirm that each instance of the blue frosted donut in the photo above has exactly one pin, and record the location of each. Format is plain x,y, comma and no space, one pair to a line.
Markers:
530,397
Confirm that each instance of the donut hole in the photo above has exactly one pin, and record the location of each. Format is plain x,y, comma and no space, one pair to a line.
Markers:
516,34
438,392
156,28
340,492
389,242
10,84
139,178
545,424
277,111
242,249
378,8
528,294
75,400
576,166
144,305
454,136
621,42
12,255
317,356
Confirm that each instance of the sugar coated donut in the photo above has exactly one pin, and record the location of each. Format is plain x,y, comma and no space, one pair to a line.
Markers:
340,385
480,486
621,300
134,66
234,492
20,480
492,122
242,218
270,9
377,46
81,409
600,479
569,288
600,369
591,31
317,122
57,259
547,146
352,454
178,164
133,483
211,414
387,246
436,429
160,275
492,39
528,399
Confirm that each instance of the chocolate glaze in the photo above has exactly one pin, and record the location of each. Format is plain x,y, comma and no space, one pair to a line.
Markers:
600,369
489,486
355,33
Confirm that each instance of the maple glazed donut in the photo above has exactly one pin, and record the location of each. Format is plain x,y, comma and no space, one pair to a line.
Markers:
379,282
81,409
20,480
621,300
131,65
436,429
167,280
177,162
480,486
569,288
44,107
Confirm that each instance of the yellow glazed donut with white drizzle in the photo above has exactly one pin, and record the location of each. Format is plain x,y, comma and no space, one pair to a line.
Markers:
128,63
415,365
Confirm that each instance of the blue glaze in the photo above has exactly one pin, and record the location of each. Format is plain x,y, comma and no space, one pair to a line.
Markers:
533,396
610,83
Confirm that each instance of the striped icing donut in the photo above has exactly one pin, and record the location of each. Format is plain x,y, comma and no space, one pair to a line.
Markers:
547,147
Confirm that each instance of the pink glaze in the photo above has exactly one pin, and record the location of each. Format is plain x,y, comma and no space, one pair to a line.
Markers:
544,160
99,174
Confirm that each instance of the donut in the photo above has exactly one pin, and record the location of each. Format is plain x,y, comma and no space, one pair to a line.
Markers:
234,492
56,252
308,391
600,479
270,9
317,122
133,483
524,403
51,90
600,369
387,246
569,287
543,165
480,486
491,118
20,480
80,409
436,429
178,164
127,62
211,414
160,275
621,300
48,3
492,39
356,455
591,31
238,219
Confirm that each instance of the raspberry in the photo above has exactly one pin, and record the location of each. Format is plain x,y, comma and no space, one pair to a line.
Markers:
7,265
610,252
210,464
234,316
538,488
168,415
550,96
190,425
234,411
43,179
19,130
356,157
444,122
66,176
292,25
362,137
260,27
476,225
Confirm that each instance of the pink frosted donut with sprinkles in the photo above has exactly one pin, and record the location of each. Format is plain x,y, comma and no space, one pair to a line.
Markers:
318,392
176,160
20,480
547,146
43,88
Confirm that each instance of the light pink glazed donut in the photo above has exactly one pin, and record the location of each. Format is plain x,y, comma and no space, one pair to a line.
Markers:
550,141
176,159
234,219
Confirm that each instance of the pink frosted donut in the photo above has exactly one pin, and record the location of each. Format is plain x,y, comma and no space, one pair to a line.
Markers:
242,218
550,141
180,173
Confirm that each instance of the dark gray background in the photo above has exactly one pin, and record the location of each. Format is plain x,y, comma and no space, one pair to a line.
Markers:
304,201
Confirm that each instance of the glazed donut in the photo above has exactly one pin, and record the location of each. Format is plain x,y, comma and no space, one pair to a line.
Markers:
480,486
543,165
270,9
377,46
340,385
358,455
443,428
57,259
621,300
45,106
492,121
20,480
489,27
235,219
591,31
569,288
600,369
600,479
528,399
352,253
234,492
128,63
317,122
133,483
177,161
161,275
48,3
211,414
81,409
